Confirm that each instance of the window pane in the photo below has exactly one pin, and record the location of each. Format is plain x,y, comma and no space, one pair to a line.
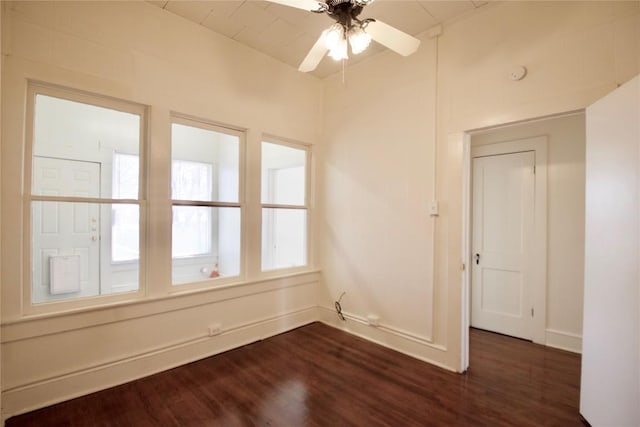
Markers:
205,164
284,238
74,146
125,233
192,231
206,243
191,180
71,251
125,176
283,174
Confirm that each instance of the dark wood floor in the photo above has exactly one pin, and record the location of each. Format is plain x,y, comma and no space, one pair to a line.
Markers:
319,376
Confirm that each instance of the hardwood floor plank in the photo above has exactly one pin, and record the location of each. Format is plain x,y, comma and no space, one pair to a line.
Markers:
319,376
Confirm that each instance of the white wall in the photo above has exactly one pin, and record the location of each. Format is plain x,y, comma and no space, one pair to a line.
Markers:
565,220
137,52
375,184
377,164
610,385
575,52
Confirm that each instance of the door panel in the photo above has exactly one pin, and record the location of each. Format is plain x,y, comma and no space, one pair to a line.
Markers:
501,292
61,228
502,238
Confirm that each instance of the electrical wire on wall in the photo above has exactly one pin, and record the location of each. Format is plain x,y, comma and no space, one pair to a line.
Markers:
434,188
339,308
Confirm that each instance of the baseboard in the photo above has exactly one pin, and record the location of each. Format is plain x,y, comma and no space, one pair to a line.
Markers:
564,340
57,389
404,342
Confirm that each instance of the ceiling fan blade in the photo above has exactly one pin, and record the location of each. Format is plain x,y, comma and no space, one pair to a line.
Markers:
310,5
391,37
315,55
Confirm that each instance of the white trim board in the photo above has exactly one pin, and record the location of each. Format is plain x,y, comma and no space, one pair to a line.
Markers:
398,340
59,388
37,326
564,341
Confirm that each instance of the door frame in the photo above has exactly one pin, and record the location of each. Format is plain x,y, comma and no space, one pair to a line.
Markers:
539,277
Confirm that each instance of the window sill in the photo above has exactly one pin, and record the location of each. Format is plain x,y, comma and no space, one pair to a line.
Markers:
41,324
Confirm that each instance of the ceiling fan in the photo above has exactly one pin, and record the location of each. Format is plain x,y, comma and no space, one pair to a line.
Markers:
349,30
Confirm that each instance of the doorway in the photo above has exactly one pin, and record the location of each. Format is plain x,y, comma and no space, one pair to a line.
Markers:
556,264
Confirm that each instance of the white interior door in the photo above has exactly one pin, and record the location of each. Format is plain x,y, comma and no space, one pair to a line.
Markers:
65,228
502,243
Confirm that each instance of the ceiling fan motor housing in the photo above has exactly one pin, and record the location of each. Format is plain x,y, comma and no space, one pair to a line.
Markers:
334,3
344,11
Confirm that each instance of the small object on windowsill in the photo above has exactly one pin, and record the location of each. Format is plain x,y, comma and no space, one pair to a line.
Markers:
215,272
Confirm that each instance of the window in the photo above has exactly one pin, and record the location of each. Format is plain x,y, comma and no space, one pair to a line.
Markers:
86,175
190,180
192,227
205,188
124,220
284,205
85,197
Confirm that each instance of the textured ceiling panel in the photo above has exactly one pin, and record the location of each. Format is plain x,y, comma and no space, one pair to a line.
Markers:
195,11
287,33
411,17
445,10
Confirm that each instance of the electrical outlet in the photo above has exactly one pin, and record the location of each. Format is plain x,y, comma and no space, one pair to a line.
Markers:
373,320
215,329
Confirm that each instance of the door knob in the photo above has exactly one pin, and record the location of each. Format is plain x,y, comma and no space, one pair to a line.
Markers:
94,238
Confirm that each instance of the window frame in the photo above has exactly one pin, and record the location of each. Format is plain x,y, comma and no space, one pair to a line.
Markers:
35,88
240,133
306,206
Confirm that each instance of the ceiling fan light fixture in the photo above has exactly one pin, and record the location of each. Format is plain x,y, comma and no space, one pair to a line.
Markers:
333,36
358,39
340,51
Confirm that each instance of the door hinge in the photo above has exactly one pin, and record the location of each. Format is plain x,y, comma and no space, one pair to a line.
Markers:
464,266
531,311
534,169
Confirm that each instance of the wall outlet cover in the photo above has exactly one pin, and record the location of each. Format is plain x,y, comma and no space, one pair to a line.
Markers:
215,329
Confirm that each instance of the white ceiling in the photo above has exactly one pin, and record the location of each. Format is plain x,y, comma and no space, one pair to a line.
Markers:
287,34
